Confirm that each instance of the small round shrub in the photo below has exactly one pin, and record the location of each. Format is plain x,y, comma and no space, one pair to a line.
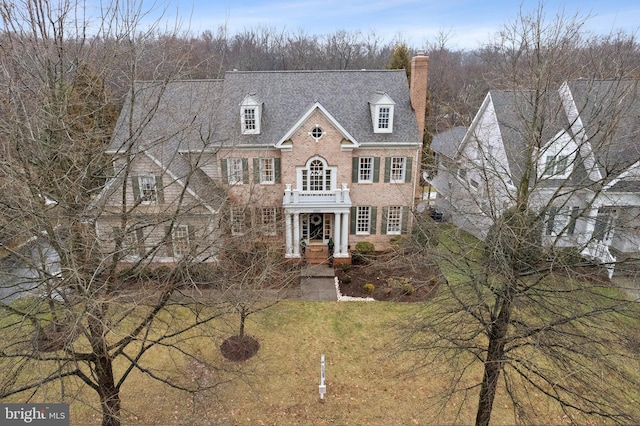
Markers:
407,289
346,279
368,288
363,252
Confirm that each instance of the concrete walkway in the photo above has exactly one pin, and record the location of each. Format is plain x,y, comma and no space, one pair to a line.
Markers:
317,283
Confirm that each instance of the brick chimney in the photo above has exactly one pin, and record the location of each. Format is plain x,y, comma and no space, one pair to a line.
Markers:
418,88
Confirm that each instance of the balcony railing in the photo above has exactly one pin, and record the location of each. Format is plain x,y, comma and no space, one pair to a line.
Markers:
333,197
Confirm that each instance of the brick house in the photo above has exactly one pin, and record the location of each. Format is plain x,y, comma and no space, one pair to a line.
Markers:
300,155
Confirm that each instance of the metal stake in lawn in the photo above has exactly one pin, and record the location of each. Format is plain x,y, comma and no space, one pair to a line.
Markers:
322,388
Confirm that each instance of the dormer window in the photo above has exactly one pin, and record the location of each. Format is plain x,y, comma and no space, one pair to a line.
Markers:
382,113
250,114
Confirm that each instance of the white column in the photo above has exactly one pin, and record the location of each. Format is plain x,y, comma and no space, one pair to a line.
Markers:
288,230
337,251
345,233
296,235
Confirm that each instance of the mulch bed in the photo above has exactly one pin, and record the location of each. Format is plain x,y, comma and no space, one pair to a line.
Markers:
388,277
236,348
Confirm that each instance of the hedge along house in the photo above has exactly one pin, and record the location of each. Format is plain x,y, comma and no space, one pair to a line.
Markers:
300,155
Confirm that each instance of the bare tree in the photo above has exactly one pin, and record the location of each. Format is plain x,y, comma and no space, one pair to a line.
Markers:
529,303
68,311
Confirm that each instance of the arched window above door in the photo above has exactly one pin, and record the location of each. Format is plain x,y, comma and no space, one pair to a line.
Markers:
316,176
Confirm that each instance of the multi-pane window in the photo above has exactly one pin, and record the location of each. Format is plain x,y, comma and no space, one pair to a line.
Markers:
269,220
148,190
238,220
555,165
365,169
267,172
235,171
317,178
394,220
249,119
561,221
180,240
397,169
384,114
363,220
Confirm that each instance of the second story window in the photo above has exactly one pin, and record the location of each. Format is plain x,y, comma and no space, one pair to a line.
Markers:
147,189
235,171
365,169
556,165
317,177
267,172
398,169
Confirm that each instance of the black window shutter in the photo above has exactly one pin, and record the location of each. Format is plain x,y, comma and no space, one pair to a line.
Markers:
355,166
277,170
245,171
405,219
135,185
256,170
373,217
159,189
550,219
387,169
385,216
376,169
169,241
140,242
407,169
224,168
575,212
352,221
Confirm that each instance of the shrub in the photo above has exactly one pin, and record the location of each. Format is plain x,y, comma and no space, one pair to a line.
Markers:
346,279
363,252
368,288
407,289
569,256
162,273
346,268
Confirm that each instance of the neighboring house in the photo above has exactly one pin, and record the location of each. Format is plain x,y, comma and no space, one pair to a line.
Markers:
299,155
581,164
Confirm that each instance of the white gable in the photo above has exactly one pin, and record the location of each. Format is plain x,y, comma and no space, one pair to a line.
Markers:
316,106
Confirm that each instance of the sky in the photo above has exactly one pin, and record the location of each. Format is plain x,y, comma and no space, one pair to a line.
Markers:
467,23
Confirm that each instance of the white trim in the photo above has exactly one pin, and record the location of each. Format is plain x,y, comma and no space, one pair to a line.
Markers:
306,115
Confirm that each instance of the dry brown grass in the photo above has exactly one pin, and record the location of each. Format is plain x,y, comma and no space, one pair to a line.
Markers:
279,386
366,383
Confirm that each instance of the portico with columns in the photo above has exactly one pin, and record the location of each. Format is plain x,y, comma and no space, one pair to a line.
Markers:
316,216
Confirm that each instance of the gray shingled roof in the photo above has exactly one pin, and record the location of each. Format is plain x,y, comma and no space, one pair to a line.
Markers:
447,143
207,112
287,95
610,113
515,111
177,110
